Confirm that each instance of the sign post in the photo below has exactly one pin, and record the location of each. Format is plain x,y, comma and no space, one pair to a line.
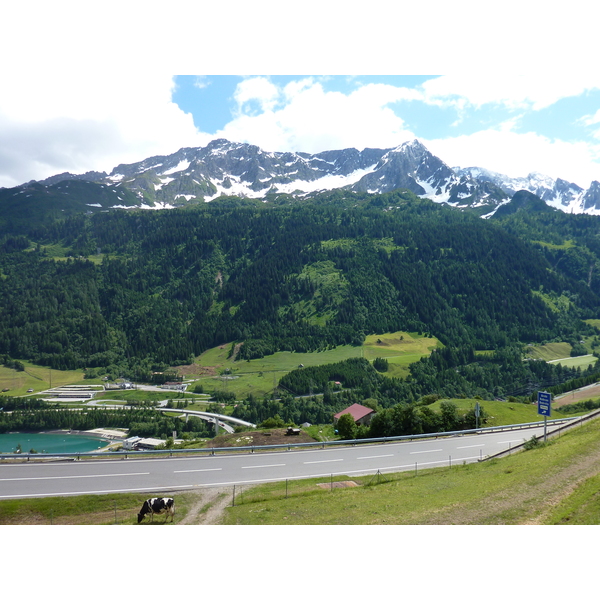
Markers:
477,412
544,407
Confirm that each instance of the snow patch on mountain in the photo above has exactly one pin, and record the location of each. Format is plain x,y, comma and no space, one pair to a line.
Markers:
328,182
182,166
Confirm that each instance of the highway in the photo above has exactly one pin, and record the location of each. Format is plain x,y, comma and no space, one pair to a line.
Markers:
162,475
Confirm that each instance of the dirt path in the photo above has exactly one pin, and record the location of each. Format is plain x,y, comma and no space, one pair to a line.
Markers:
586,393
209,508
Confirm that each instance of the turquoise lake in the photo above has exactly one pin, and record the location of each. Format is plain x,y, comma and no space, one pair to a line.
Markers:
49,442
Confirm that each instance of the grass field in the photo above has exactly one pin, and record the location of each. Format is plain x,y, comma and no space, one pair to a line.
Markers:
499,413
552,351
259,376
560,352
594,323
400,349
106,509
577,361
38,378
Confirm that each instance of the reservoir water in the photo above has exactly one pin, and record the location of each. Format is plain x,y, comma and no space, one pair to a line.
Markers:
50,443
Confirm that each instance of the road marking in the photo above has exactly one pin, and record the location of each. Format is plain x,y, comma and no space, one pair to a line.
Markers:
426,451
196,470
314,462
509,441
264,466
380,456
73,476
473,446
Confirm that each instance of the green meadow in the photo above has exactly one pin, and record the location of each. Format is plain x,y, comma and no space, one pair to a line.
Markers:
498,413
552,351
560,352
261,375
38,378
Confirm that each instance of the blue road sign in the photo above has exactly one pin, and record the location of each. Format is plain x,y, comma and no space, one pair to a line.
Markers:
544,401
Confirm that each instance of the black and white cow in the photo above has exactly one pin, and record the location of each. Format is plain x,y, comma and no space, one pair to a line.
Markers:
157,506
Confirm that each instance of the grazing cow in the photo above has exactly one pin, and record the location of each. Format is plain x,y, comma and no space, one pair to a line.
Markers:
157,506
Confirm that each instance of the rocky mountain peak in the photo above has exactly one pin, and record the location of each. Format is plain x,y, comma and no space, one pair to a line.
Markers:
229,168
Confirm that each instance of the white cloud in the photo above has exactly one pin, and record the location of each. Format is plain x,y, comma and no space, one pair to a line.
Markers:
255,91
52,122
536,91
591,121
201,82
518,154
302,116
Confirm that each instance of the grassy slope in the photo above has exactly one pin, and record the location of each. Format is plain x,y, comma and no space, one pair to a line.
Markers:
552,351
38,378
548,485
258,376
499,413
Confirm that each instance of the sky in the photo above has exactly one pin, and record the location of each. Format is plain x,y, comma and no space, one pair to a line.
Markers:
509,124
513,91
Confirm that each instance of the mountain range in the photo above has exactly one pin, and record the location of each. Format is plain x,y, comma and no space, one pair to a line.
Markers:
193,175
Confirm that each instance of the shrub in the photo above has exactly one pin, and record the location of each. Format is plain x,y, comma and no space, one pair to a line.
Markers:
347,428
272,423
532,443
381,364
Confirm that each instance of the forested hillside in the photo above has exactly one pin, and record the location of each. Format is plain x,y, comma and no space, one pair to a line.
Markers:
132,291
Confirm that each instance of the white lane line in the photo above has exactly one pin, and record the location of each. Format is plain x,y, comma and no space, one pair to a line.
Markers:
73,476
473,446
196,470
380,456
509,441
329,474
427,451
264,466
314,462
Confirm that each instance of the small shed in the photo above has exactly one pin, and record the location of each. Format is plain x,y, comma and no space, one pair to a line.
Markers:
362,415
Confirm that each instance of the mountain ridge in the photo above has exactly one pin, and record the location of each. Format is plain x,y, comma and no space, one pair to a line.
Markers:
202,174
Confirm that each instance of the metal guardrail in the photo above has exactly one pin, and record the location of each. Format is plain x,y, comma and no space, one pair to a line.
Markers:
568,423
240,449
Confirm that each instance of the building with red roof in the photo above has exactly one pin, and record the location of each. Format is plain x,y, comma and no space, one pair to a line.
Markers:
362,415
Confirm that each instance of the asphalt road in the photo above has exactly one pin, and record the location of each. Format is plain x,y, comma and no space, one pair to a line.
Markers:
156,475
